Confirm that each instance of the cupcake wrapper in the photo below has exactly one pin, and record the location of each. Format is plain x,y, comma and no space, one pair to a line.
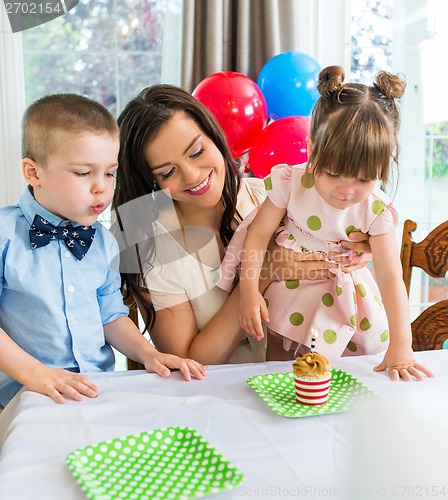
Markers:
312,392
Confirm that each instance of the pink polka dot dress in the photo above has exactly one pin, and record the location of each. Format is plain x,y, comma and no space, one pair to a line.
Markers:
346,309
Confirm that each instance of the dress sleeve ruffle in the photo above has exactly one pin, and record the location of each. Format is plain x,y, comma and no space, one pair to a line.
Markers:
256,189
278,185
386,221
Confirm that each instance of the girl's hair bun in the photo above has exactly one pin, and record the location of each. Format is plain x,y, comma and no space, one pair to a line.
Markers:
392,86
330,81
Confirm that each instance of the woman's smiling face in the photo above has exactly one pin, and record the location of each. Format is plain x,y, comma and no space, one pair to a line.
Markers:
187,163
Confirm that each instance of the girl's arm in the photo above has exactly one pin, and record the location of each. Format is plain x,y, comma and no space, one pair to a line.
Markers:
259,232
399,358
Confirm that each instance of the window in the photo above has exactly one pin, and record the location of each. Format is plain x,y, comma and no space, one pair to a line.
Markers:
410,38
107,50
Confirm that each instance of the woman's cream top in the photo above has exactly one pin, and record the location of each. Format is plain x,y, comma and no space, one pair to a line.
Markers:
174,276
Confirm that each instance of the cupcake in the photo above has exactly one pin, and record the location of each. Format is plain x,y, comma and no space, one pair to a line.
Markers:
312,378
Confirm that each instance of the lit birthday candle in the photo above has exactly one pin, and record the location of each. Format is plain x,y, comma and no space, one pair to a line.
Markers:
314,335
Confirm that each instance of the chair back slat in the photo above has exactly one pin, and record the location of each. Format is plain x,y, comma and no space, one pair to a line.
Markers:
430,329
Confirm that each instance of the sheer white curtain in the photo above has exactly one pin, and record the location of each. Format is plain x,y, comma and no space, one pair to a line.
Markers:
172,43
12,106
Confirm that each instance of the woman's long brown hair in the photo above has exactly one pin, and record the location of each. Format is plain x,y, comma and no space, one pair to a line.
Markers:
140,122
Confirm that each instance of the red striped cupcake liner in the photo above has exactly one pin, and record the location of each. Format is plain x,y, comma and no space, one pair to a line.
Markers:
311,391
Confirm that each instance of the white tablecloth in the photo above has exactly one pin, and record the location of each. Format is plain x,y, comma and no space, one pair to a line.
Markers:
329,456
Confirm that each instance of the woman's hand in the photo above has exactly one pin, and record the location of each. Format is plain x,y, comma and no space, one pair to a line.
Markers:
360,245
282,264
162,364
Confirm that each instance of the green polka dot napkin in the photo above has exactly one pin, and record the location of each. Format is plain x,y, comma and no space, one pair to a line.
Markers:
277,391
175,463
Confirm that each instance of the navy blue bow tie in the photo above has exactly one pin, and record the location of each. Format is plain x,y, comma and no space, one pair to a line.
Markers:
77,238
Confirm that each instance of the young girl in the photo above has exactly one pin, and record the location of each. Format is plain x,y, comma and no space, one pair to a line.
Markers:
314,207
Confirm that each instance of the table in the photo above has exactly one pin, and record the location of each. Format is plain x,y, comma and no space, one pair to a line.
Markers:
403,431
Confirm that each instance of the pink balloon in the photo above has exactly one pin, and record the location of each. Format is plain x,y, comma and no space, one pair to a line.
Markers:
282,141
237,104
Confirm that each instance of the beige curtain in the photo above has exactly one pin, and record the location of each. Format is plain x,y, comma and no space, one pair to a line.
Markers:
235,35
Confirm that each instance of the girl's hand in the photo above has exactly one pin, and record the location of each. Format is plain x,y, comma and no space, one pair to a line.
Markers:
252,310
54,382
161,364
401,364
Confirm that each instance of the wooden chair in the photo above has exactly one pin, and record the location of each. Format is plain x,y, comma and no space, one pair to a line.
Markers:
430,329
133,314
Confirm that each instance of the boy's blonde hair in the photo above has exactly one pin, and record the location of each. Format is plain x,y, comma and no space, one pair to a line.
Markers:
354,127
47,117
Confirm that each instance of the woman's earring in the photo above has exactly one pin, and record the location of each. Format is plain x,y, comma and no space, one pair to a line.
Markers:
155,189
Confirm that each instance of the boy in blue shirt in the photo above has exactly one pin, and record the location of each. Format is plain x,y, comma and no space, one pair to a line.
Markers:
61,307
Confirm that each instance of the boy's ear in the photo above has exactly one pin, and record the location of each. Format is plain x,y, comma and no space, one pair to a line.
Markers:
30,171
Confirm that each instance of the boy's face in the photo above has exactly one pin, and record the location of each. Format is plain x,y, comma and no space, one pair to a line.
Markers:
77,182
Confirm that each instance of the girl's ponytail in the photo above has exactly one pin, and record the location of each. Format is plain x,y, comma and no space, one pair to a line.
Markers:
392,86
330,82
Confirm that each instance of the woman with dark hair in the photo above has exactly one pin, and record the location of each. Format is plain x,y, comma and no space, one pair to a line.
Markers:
179,186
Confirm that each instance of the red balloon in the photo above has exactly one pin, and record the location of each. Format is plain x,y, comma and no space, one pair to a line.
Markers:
238,105
282,141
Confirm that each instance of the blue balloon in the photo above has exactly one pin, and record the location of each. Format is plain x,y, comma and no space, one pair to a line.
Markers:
289,84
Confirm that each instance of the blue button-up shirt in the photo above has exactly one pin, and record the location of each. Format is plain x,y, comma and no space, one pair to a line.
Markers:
51,304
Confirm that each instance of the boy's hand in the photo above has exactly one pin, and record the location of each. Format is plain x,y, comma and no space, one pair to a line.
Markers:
401,364
253,309
161,363
56,382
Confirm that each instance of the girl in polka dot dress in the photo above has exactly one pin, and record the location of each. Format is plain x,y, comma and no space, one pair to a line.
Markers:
313,207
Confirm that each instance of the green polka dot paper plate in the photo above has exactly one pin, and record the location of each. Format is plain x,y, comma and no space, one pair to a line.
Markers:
277,391
172,463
